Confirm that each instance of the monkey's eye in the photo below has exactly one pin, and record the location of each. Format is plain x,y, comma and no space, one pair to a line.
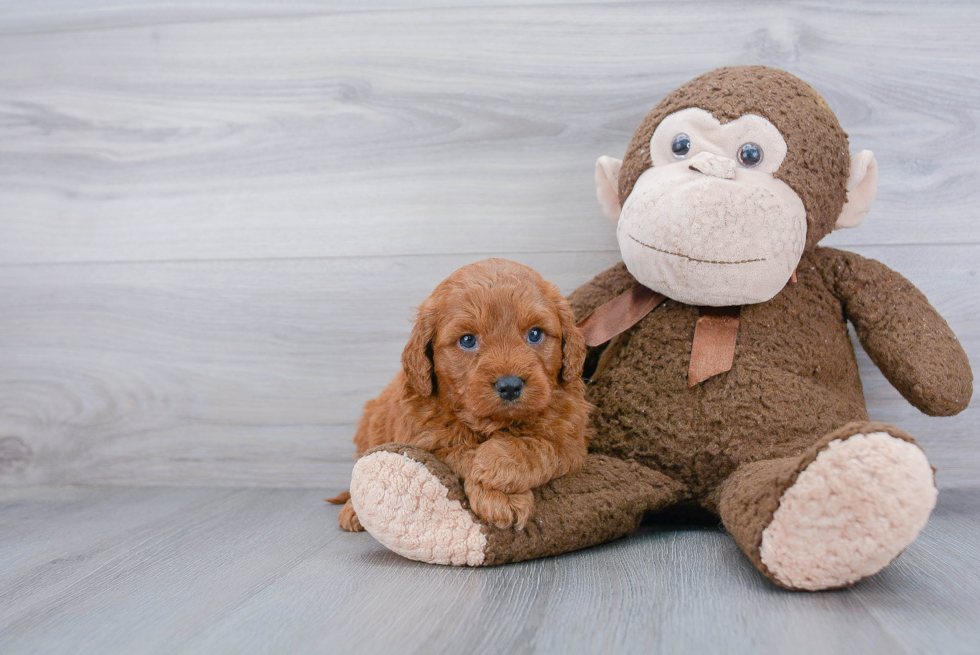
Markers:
749,155
536,335
681,145
467,342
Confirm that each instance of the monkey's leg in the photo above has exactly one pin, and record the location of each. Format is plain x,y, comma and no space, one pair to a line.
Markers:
841,511
414,505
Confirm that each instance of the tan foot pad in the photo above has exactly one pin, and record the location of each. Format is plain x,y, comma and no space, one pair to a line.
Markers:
849,513
407,509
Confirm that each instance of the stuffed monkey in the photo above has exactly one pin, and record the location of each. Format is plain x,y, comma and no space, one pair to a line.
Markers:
720,366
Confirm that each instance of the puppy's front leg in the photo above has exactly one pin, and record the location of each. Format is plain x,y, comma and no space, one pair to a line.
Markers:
506,469
499,508
518,464
459,458
348,518
492,505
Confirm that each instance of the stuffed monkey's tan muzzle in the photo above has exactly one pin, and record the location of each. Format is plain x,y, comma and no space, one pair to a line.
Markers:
713,165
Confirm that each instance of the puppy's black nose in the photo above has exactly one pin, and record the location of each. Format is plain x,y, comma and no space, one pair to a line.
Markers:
509,387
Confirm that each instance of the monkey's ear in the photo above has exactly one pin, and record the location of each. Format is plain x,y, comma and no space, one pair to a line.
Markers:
417,355
862,187
607,186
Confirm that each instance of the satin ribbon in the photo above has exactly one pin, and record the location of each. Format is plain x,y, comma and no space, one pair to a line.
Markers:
715,334
713,351
619,314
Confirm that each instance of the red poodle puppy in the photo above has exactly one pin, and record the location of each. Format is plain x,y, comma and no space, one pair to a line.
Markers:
491,383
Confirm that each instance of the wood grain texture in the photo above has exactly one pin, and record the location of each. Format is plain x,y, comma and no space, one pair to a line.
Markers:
268,571
215,220
170,133
255,372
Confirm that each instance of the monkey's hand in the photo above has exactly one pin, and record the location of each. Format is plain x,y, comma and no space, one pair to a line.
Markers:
902,333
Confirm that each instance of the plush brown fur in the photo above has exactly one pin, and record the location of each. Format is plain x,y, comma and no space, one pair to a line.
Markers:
733,444
444,400
795,376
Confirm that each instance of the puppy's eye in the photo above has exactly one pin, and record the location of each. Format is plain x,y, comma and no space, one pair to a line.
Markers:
467,342
681,145
536,335
750,155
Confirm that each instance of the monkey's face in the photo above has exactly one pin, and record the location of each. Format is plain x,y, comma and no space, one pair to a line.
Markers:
707,223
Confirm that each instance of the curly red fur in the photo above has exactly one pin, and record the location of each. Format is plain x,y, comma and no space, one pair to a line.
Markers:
444,400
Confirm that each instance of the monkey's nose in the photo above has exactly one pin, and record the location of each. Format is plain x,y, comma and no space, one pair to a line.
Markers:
509,388
713,165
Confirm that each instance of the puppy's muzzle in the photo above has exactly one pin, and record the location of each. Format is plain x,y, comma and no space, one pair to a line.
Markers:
510,387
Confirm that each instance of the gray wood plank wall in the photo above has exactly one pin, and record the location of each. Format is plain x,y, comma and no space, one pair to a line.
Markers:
215,221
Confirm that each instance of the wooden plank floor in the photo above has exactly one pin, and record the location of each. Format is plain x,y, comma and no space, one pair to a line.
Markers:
205,570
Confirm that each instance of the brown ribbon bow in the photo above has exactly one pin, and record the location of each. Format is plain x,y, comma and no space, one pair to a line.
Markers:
619,314
713,351
715,334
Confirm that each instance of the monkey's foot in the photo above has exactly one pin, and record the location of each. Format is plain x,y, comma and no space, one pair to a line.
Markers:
414,505
850,512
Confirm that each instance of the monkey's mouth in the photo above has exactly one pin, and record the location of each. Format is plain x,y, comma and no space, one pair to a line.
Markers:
693,259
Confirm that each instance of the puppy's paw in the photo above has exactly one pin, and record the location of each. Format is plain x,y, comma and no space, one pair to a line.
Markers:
501,509
348,518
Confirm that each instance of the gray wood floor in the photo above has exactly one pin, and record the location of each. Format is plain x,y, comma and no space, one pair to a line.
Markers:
205,570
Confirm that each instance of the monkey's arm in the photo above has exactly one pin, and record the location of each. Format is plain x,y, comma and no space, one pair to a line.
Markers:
902,333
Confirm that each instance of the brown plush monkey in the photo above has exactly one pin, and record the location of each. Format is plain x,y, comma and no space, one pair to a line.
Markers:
722,371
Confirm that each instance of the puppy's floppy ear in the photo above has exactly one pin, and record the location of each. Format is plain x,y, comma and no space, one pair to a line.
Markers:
417,355
572,341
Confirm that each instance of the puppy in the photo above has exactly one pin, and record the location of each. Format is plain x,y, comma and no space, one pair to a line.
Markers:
491,383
